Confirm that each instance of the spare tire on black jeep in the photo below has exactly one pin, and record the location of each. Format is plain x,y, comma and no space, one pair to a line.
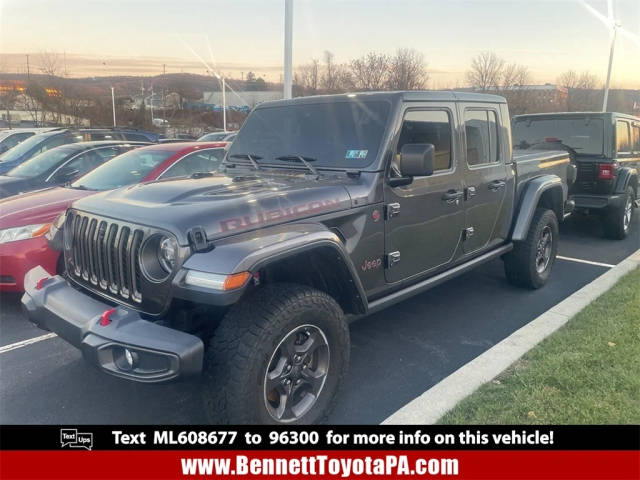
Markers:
278,356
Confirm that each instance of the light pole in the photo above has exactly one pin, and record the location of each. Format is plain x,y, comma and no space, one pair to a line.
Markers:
606,86
113,106
224,102
288,42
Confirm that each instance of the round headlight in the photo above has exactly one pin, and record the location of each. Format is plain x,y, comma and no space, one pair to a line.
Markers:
167,253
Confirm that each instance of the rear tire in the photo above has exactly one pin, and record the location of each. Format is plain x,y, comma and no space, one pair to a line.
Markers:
530,262
617,223
278,357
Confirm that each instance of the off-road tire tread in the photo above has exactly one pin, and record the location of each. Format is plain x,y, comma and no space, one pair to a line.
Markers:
612,221
517,263
243,327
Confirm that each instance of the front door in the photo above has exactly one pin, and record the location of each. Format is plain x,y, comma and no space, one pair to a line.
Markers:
485,178
425,219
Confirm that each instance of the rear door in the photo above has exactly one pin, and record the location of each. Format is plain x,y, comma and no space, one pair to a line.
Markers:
485,176
424,219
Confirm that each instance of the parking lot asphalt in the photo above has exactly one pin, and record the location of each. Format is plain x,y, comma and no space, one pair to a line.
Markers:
396,354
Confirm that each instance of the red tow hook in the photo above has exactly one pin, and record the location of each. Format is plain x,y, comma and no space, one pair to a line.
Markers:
105,318
40,283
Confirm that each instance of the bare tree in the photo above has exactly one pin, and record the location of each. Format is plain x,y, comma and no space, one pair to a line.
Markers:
50,63
486,71
371,71
336,77
407,70
514,75
582,90
308,77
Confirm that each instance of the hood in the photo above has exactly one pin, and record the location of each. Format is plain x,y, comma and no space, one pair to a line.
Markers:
37,207
13,185
222,205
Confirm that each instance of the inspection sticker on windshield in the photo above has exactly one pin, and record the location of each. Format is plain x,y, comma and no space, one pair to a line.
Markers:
353,154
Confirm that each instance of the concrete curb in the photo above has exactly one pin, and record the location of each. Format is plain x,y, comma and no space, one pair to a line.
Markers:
429,407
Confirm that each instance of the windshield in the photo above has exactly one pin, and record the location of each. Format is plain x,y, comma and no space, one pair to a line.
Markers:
338,134
41,163
23,147
126,169
213,137
583,134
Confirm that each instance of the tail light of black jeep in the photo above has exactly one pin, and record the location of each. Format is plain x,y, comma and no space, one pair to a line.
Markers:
606,171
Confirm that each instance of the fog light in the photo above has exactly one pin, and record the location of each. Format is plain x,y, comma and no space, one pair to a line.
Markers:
131,358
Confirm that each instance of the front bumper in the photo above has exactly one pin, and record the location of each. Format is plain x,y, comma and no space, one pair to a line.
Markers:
158,353
598,202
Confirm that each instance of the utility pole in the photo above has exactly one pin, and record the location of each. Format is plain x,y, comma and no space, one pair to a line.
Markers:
28,72
288,41
606,86
224,105
113,105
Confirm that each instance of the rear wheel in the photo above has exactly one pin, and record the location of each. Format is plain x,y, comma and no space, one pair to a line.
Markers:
530,262
278,357
617,223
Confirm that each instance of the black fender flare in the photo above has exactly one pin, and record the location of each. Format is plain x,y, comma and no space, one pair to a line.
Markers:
530,199
251,251
626,176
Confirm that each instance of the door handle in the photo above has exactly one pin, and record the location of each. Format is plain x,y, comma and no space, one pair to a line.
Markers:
452,196
497,185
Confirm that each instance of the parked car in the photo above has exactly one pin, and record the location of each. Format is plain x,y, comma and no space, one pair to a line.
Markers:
60,165
217,137
24,220
606,150
45,141
353,203
11,137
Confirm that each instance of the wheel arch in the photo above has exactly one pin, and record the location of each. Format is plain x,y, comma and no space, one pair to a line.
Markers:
547,191
307,254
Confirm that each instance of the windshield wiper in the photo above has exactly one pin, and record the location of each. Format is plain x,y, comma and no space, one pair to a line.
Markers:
300,158
76,187
252,158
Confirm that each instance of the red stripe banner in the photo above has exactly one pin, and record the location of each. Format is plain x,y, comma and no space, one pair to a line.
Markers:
173,464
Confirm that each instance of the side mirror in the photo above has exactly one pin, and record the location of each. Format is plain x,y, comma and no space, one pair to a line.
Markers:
416,159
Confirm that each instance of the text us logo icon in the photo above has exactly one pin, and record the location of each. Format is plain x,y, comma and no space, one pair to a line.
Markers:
70,437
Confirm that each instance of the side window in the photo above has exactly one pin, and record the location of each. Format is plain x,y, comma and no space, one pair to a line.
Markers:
54,142
429,126
636,138
623,142
135,137
481,131
15,139
86,162
203,161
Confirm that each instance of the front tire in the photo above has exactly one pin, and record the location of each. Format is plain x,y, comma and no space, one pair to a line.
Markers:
278,357
530,262
617,223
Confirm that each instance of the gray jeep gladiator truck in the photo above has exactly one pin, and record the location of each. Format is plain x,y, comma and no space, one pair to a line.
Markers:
325,209
605,148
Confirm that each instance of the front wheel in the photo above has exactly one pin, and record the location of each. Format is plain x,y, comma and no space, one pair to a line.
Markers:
530,262
617,223
278,357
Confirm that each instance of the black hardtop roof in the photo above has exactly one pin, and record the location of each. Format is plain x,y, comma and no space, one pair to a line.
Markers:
407,96
607,115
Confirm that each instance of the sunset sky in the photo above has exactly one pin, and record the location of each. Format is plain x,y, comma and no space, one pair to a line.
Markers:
138,36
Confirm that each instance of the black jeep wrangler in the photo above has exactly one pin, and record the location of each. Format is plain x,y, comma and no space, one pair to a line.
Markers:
326,209
605,147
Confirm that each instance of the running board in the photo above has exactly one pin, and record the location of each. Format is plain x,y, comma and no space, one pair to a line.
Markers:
431,282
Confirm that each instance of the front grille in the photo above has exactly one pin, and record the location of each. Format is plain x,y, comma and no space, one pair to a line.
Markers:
104,255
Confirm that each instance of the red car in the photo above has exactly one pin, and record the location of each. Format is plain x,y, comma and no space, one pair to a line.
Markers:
25,219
